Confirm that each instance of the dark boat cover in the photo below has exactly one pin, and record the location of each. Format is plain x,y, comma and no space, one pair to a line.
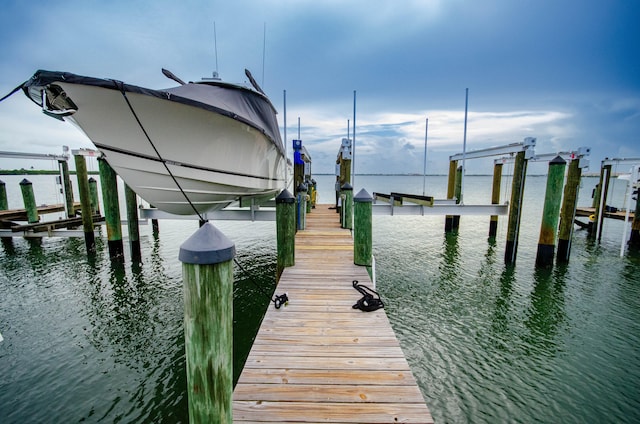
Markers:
235,101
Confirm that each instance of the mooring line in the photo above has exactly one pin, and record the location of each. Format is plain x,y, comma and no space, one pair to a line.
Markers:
120,86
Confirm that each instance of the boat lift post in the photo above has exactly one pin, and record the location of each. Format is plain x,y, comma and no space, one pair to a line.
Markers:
524,151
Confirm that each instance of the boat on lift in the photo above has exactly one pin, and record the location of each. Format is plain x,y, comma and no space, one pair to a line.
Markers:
196,147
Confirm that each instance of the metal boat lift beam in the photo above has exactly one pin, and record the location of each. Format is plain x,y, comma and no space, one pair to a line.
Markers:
440,210
40,156
527,145
579,154
621,161
223,215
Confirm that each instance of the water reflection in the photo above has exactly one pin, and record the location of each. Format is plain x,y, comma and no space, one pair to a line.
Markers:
503,304
547,309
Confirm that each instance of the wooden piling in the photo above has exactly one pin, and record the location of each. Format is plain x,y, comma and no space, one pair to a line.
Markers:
568,211
85,203
634,239
4,204
362,229
550,213
111,204
207,270
451,186
285,230
93,196
29,201
66,188
347,205
605,177
132,223
495,198
455,223
302,206
515,208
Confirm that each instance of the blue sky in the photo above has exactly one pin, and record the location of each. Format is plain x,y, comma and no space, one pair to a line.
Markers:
566,72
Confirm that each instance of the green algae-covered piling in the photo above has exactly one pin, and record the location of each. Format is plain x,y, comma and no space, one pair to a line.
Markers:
550,213
515,208
285,229
4,204
347,205
495,198
132,223
568,211
93,195
111,209
66,188
85,203
362,228
302,206
207,271
451,186
29,201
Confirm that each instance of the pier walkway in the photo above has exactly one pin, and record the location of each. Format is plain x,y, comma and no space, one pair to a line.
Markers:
318,359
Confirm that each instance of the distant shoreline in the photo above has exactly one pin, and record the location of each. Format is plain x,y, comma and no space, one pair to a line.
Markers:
38,172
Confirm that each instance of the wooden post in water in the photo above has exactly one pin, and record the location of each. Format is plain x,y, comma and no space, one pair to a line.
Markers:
66,188
4,204
455,223
451,186
347,205
515,208
550,213
29,201
302,206
495,198
601,203
85,203
634,239
93,195
132,223
285,230
568,211
207,271
362,229
111,204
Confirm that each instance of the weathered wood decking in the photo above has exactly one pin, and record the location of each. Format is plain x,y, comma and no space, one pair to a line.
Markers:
318,359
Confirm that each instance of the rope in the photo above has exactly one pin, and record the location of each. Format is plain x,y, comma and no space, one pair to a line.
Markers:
368,302
120,86
278,301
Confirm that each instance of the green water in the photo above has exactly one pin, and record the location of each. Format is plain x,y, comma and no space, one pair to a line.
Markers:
85,341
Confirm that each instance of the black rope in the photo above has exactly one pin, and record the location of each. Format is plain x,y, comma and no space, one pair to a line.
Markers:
120,87
278,301
368,302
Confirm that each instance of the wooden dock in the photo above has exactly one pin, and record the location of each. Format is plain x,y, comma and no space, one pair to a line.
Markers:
619,215
318,359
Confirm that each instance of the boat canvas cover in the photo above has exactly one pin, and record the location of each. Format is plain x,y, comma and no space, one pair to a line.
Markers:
235,101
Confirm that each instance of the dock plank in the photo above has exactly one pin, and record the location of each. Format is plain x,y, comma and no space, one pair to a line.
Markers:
318,359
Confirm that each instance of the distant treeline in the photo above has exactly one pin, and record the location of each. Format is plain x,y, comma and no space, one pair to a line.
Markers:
37,172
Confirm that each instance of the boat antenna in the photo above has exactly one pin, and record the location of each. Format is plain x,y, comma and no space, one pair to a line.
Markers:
215,48
264,49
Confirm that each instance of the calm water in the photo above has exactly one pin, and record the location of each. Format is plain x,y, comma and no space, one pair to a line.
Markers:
85,341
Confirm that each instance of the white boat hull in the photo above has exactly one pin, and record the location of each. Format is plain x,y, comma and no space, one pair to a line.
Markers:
215,159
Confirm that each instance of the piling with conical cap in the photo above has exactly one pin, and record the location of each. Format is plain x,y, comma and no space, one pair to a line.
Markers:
363,228
207,271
